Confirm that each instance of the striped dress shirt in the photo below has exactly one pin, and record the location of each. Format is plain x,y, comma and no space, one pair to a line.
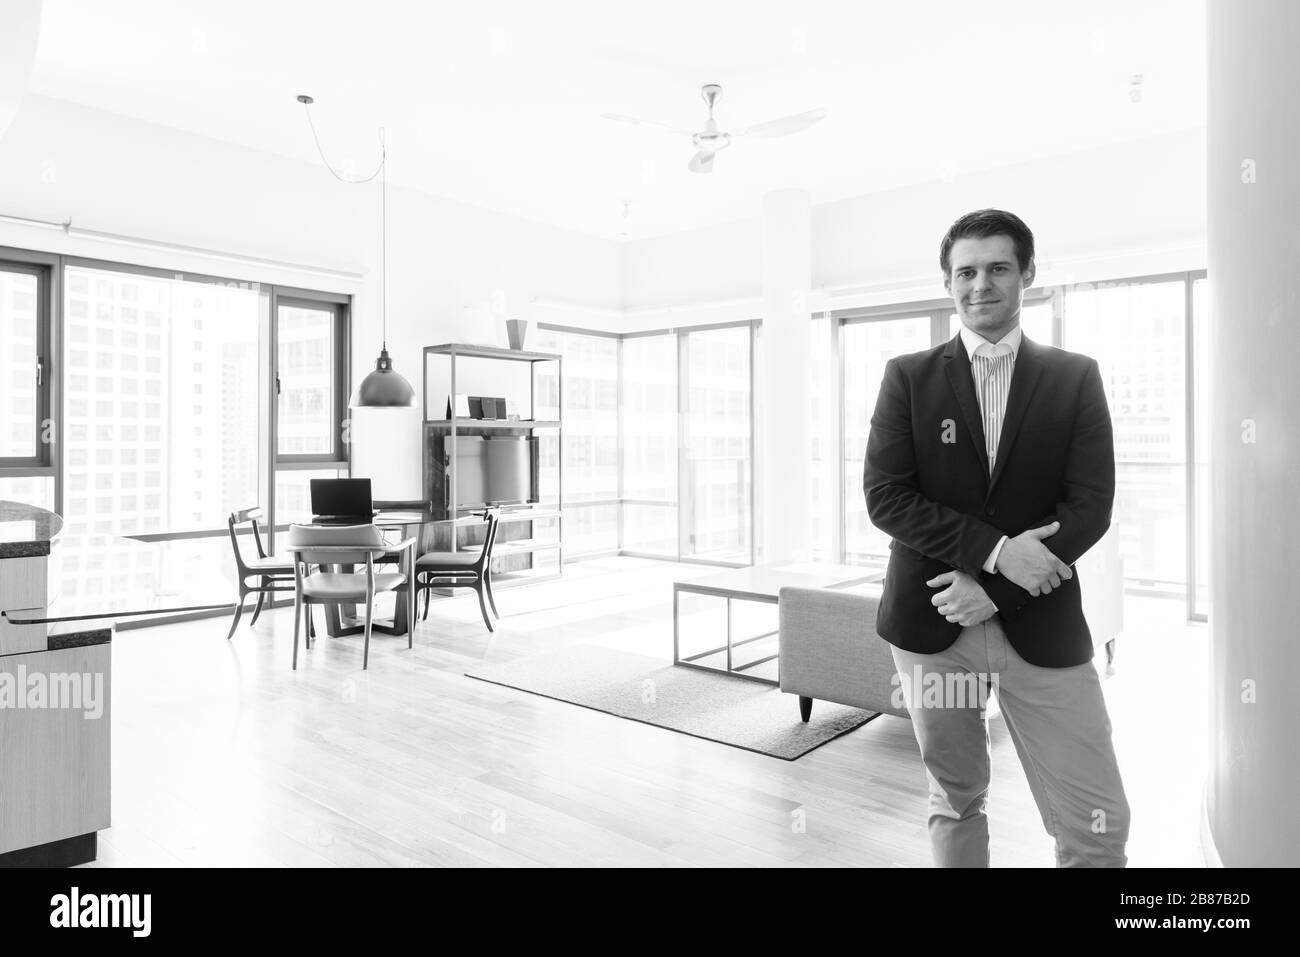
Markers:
991,367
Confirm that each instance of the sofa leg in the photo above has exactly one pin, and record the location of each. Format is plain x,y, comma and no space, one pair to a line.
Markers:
805,708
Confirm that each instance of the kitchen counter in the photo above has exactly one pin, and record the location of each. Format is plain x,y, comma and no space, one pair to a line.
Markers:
26,531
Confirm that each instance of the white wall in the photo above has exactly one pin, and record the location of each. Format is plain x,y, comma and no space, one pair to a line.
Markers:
1130,209
455,272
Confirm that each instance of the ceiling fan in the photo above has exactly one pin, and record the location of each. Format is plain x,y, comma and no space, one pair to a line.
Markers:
711,140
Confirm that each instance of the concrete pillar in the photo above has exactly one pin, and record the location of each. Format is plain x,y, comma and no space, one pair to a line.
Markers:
1254,344
781,381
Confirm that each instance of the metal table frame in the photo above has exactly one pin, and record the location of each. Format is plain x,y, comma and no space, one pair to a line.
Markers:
702,587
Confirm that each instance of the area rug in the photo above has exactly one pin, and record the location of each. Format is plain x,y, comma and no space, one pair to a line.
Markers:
717,707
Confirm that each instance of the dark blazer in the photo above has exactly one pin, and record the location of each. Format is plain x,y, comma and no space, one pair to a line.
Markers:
927,485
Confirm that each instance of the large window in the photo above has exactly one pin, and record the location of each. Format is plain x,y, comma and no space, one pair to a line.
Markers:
657,441
823,467
649,435
1136,332
311,394
590,435
25,291
1199,573
868,346
160,392
308,424
142,403
717,460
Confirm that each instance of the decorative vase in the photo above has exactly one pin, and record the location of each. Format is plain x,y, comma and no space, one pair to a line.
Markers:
515,329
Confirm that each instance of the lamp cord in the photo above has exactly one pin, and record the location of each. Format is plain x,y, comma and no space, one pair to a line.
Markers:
382,172
383,234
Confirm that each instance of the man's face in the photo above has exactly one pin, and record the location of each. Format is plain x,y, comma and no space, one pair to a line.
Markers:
986,284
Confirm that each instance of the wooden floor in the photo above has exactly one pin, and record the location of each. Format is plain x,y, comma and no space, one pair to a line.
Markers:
224,756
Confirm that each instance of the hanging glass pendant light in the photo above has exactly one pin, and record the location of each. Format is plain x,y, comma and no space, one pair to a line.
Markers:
383,388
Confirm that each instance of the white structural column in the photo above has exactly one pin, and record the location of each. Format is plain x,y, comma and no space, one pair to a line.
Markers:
784,429
20,27
1254,244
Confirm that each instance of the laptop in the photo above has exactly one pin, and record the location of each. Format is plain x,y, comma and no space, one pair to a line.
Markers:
342,502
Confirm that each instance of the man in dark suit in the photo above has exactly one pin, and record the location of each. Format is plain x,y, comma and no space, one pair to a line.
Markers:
991,464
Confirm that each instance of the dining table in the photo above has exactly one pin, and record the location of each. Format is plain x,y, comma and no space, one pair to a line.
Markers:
398,525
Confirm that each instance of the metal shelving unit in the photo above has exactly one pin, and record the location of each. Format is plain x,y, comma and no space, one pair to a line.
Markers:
450,429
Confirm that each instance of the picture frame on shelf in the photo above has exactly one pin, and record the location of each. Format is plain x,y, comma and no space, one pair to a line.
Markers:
458,407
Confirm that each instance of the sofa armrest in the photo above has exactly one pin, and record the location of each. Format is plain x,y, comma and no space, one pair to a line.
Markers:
1101,587
830,650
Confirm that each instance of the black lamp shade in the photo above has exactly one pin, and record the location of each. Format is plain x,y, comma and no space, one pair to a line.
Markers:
384,388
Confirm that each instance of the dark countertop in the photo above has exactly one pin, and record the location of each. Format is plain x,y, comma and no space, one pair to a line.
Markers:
26,530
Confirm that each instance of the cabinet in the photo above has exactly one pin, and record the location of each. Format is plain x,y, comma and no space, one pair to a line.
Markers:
462,469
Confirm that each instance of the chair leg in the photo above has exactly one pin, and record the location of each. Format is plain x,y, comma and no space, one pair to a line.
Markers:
239,610
479,590
487,581
409,598
365,655
261,597
428,597
297,622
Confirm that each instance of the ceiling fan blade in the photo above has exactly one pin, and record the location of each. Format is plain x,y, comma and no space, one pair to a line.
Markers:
784,126
701,162
648,124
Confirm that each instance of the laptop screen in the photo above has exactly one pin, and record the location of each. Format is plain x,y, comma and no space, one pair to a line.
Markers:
349,496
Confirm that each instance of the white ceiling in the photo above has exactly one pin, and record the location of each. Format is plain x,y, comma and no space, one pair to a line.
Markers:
498,104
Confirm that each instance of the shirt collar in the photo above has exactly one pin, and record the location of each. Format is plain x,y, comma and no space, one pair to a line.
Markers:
974,341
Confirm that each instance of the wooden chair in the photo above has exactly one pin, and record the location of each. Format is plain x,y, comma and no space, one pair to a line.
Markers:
463,569
332,545
273,574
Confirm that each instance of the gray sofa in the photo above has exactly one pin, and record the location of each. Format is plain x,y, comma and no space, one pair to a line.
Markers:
829,648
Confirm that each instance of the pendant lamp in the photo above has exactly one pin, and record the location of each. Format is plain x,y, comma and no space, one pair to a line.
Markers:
383,388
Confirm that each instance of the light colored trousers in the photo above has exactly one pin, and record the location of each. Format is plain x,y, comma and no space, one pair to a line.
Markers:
1058,721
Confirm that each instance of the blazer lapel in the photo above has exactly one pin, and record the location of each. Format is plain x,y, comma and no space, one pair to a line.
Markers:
1029,366
957,366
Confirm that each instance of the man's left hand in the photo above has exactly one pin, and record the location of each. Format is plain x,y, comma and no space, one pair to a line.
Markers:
964,601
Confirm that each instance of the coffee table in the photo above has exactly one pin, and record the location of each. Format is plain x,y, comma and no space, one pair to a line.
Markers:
757,583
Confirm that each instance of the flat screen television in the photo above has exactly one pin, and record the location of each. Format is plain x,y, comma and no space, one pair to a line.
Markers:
494,470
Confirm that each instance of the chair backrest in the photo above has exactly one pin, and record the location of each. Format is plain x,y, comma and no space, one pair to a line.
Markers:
303,537
245,516
488,540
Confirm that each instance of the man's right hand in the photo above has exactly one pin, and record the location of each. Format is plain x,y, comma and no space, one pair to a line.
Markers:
1026,561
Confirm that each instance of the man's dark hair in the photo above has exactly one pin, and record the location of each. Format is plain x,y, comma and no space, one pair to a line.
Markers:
984,223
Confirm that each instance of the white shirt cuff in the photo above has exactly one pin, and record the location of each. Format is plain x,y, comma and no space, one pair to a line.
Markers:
991,564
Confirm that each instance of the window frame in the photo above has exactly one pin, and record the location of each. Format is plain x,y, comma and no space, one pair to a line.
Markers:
1059,295
52,320
339,304
679,334
45,267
